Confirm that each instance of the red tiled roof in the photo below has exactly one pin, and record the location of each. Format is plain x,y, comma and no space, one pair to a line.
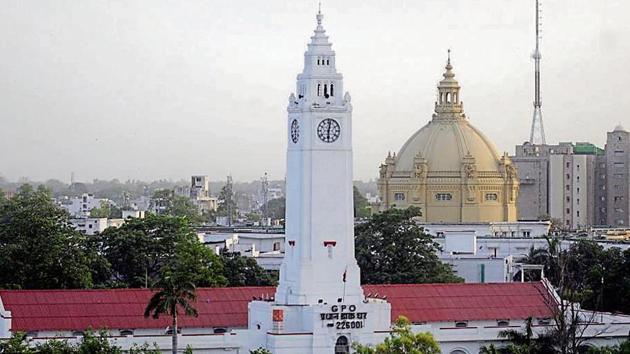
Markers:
33,310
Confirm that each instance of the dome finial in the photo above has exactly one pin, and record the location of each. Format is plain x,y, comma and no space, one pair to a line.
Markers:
449,73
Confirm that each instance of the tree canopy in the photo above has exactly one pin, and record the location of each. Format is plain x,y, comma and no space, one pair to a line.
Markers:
91,343
244,271
141,249
39,249
177,205
392,248
590,271
402,341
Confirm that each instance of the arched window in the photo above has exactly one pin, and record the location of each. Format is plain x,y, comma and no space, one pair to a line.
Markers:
503,323
441,98
399,196
126,332
332,90
317,60
448,97
319,88
327,61
461,324
326,90
342,347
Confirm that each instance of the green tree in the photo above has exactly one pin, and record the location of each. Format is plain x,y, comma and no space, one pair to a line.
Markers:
525,342
276,208
174,293
39,248
590,270
176,205
392,248
55,346
142,248
102,211
361,205
402,341
96,344
17,344
227,202
244,271
260,351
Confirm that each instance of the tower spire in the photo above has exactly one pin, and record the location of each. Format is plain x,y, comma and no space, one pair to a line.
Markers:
319,15
537,134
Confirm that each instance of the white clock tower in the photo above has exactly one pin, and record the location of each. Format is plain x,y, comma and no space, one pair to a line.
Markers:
319,260
319,306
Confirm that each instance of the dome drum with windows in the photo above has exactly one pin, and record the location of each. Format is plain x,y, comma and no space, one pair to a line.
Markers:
450,169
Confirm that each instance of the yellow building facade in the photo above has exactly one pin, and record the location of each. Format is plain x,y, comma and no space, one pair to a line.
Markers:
450,169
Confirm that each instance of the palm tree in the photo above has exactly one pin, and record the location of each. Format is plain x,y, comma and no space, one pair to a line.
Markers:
172,295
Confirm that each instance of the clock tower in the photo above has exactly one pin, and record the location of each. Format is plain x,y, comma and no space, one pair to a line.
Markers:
319,261
319,305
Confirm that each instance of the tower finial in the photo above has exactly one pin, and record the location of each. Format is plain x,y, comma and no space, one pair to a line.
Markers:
449,56
319,15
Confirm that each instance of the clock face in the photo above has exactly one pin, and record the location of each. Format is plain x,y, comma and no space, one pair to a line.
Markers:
328,130
295,131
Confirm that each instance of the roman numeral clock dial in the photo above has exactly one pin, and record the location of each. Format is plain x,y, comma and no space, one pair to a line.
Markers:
328,130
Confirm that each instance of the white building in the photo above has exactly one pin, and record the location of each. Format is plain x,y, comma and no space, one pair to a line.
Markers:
93,226
134,214
81,206
496,229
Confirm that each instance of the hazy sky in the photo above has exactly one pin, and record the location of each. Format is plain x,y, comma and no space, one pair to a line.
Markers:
167,88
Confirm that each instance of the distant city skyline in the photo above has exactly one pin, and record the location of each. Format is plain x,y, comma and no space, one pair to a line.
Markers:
151,90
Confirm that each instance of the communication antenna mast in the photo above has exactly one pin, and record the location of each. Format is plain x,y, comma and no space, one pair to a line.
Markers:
537,135
264,181
229,199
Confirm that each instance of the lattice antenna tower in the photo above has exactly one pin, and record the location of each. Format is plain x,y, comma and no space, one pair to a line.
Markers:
537,134
229,193
264,182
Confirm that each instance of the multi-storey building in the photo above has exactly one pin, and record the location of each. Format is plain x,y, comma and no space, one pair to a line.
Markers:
579,184
559,181
199,187
80,207
617,177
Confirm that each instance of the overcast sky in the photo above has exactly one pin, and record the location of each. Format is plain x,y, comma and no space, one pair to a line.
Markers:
166,88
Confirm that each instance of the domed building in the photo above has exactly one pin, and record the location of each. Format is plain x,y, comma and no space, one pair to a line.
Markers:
450,169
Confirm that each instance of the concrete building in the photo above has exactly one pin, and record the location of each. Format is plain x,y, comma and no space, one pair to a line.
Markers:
199,187
579,184
450,169
200,194
80,207
134,214
618,178
492,229
560,182
93,226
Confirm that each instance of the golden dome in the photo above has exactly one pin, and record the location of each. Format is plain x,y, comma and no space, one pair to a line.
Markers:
445,143
450,169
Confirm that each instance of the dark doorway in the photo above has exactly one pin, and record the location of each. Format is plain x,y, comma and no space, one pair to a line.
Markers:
342,346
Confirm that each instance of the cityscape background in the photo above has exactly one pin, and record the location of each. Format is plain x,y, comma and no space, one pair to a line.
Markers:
149,91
